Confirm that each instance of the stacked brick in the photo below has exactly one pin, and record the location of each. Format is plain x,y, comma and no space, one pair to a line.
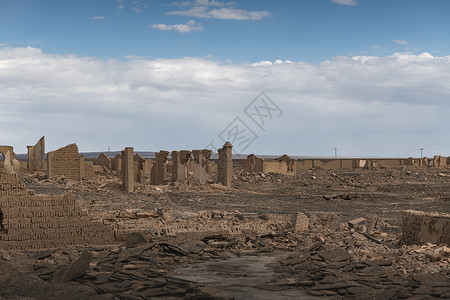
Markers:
29,221
10,185
65,162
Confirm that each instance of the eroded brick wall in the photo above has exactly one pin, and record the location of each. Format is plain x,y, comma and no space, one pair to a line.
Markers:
420,227
65,162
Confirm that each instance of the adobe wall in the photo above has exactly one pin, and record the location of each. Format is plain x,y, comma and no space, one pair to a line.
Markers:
253,164
66,162
103,160
29,221
159,171
327,164
304,164
128,169
36,156
420,227
180,163
10,163
200,165
225,165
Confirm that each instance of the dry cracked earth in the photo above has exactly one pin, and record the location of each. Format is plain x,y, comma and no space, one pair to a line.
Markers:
332,259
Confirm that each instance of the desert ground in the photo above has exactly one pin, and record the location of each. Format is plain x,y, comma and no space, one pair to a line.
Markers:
331,259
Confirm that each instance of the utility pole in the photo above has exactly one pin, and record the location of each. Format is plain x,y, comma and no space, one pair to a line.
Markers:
335,152
421,149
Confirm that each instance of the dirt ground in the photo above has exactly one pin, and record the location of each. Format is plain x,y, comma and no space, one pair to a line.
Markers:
300,266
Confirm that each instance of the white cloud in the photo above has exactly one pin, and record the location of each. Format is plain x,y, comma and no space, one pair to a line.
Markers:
400,42
191,25
345,2
364,105
201,9
3,44
98,18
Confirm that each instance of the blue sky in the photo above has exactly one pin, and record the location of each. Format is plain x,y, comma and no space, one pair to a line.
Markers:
368,77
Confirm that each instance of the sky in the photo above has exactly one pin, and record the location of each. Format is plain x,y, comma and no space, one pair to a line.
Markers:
302,77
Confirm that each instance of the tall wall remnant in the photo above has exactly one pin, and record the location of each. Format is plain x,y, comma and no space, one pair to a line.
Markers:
158,173
225,167
419,227
68,163
180,162
10,163
36,156
200,167
128,169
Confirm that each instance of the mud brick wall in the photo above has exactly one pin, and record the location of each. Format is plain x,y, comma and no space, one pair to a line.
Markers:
225,166
103,160
420,227
128,169
65,162
200,165
158,173
48,221
180,162
11,186
36,156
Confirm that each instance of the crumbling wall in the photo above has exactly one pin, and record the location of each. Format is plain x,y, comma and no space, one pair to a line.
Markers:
180,163
36,156
66,162
158,173
420,227
253,164
10,163
304,164
200,166
128,169
103,160
30,221
225,166
283,165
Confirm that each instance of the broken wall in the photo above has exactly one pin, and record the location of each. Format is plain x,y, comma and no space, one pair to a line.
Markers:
420,227
29,221
103,160
66,162
10,163
200,165
36,156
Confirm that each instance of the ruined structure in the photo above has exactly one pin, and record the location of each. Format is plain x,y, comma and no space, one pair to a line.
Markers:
420,227
68,163
283,165
200,165
116,163
128,169
142,167
158,173
225,167
180,163
36,156
103,160
29,221
9,163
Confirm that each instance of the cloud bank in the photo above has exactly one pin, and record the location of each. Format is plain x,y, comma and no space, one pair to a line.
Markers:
191,25
363,105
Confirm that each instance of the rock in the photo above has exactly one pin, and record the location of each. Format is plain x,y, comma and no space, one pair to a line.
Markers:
134,239
6,255
77,268
41,254
359,224
335,254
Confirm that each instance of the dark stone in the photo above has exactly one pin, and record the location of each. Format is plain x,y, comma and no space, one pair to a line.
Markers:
77,268
134,239
335,254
